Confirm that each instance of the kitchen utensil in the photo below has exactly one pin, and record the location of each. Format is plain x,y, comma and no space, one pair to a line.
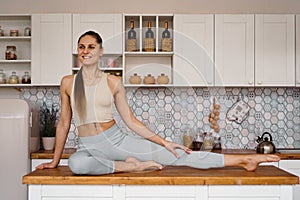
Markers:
265,144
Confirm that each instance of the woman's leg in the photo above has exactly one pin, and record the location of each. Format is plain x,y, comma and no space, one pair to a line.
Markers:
249,162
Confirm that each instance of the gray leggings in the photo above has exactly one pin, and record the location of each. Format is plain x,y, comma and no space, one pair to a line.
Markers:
96,154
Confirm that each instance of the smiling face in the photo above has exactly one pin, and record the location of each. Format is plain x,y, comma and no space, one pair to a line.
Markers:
89,51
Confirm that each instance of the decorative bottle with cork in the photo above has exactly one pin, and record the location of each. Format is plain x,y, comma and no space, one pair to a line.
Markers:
149,39
166,40
131,38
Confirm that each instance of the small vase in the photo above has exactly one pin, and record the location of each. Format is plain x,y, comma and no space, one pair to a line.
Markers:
149,79
163,79
135,79
48,143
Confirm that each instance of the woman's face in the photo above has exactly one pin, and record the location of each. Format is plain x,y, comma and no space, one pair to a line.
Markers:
89,51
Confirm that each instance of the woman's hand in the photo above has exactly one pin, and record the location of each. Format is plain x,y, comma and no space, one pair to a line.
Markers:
49,165
171,146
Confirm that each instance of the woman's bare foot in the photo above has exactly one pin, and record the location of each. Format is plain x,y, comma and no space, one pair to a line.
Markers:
249,162
131,164
143,166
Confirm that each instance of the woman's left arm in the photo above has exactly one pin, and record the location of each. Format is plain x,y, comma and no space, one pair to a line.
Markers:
134,124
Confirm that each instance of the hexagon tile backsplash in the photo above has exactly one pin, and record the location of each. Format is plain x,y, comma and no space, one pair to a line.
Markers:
167,111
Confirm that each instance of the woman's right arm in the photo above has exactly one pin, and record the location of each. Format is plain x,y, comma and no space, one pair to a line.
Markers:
63,124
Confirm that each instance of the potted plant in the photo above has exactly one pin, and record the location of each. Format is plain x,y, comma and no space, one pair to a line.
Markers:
48,125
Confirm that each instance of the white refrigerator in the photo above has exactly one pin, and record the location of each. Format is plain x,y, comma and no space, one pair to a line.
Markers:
14,148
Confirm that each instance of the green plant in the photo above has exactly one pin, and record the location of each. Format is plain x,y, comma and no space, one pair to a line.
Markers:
48,118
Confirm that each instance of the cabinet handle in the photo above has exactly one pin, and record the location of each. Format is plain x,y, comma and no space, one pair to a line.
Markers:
259,82
250,82
298,82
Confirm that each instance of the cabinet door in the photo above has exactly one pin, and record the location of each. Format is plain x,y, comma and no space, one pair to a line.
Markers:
51,48
298,50
193,50
292,166
234,50
109,26
275,50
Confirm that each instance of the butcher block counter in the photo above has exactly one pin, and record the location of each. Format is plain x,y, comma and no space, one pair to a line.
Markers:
264,175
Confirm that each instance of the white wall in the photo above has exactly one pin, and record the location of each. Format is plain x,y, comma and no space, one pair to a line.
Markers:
149,6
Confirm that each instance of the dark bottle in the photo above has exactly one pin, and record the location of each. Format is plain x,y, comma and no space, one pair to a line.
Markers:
131,32
166,33
149,32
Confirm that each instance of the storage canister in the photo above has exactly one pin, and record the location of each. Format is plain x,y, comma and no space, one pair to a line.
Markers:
11,53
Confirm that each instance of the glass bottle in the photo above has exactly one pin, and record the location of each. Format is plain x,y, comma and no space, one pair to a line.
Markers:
217,143
208,141
131,32
2,77
188,137
198,141
149,33
166,33
13,79
26,78
1,32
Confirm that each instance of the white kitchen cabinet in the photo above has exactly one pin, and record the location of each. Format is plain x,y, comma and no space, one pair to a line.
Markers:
193,50
22,43
109,26
298,50
51,48
234,50
148,61
274,50
292,166
160,192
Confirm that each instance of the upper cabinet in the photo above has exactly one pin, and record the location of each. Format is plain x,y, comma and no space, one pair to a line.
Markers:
274,50
193,50
148,50
297,50
234,50
109,26
51,48
15,48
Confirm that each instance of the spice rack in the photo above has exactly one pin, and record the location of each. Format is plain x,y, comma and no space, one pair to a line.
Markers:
22,43
147,58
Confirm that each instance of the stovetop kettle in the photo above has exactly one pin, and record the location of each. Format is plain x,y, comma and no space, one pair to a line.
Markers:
265,144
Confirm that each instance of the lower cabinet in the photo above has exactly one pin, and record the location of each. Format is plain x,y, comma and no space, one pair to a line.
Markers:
292,166
160,192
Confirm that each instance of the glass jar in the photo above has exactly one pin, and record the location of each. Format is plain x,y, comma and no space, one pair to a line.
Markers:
1,32
217,143
27,31
13,79
198,141
2,77
188,137
14,33
11,53
208,141
26,78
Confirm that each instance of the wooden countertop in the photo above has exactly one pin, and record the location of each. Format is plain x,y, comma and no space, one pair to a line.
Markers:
68,152
264,175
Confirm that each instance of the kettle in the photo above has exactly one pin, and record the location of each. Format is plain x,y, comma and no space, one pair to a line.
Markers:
265,146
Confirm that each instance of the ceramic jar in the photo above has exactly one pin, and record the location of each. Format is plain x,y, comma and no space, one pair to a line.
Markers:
149,79
163,79
135,79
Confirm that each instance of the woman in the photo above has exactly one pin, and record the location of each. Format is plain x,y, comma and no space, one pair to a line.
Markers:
103,148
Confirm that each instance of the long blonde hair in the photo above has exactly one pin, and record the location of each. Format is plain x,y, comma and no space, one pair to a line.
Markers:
79,91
